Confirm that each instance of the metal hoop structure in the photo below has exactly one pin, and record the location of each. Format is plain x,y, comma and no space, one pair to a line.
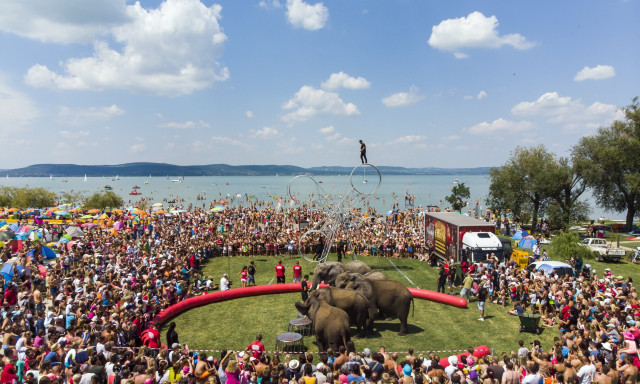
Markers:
340,224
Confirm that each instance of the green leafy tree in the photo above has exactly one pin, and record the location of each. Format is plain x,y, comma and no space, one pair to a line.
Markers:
523,183
458,193
567,245
71,197
102,200
609,162
566,187
5,196
31,197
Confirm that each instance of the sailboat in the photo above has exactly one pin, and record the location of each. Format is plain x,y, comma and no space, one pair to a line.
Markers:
50,177
85,178
178,180
115,178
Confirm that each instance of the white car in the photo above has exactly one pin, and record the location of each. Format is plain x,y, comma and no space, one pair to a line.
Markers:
551,267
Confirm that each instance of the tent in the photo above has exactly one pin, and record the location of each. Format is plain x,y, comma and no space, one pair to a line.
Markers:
527,242
520,233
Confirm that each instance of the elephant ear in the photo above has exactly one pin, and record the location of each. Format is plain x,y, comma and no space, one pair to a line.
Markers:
364,286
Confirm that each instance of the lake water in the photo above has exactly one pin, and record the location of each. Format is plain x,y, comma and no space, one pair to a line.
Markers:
427,189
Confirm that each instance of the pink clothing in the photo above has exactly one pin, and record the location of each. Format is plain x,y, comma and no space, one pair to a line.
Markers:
233,377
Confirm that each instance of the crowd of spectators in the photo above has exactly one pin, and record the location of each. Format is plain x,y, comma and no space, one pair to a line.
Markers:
85,318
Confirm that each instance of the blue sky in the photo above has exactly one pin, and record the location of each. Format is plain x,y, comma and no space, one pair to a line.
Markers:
423,83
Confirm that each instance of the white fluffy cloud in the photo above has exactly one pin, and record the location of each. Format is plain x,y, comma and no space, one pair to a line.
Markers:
249,114
307,16
264,133
474,31
342,80
599,72
17,111
82,115
172,50
327,130
500,126
309,102
61,21
269,4
564,110
137,148
73,134
402,99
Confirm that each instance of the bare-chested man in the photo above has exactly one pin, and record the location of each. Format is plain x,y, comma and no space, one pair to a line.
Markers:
628,370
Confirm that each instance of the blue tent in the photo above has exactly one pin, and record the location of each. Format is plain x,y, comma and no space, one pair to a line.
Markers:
14,227
520,233
3,223
7,272
527,243
48,253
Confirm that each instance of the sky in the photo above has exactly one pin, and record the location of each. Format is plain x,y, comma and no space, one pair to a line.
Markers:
299,82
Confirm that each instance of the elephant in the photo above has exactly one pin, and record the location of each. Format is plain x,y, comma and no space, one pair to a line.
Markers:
328,272
352,302
376,275
388,296
330,324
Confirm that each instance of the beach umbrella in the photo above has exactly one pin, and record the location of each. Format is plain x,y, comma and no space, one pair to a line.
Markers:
118,211
160,212
33,236
20,236
74,231
71,244
14,227
66,236
63,240
11,210
48,253
86,217
94,211
6,235
139,212
63,213
118,226
89,225
157,205
24,229
7,272
75,210
104,216
217,208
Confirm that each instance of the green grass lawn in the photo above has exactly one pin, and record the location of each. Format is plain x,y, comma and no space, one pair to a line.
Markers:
234,324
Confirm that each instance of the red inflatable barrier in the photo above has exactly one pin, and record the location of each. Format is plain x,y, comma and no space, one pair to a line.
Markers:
478,352
438,297
259,290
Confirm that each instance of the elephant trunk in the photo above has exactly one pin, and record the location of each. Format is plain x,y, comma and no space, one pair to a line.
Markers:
316,281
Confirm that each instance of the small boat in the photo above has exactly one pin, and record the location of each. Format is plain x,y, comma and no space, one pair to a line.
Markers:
136,187
65,181
178,180
50,177
135,193
455,181
146,181
85,178
107,188
116,178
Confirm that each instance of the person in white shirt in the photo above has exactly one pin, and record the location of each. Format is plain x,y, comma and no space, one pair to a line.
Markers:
587,372
533,377
224,283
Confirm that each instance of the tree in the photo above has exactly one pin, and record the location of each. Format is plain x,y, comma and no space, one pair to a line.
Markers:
609,162
567,246
523,182
27,197
458,192
102,200
71,197
566,188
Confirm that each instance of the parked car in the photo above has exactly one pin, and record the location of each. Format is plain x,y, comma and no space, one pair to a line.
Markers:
603,251
551,268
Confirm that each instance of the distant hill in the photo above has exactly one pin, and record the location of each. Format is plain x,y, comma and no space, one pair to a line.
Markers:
162,169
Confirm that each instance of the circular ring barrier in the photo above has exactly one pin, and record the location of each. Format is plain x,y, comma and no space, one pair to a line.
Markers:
259,290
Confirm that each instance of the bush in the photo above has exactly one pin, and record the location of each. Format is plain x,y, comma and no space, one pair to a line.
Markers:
567,245
102,200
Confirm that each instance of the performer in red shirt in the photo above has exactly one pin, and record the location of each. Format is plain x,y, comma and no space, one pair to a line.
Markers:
257,347
280,273
297,272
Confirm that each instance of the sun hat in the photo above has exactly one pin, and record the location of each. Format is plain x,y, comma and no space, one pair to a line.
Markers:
607,346
175,345
294,364
366,352
628,335
453,360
